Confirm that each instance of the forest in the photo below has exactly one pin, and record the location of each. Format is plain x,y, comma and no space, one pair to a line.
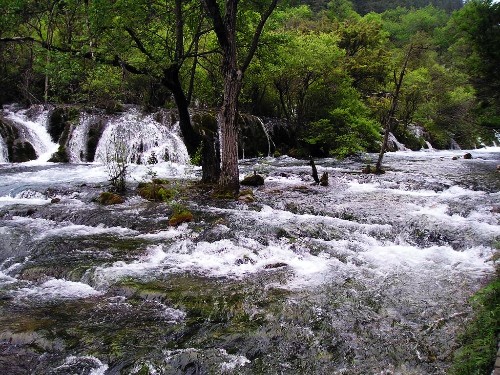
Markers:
327,70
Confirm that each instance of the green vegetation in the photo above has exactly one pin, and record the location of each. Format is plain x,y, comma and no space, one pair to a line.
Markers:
325,68
477,353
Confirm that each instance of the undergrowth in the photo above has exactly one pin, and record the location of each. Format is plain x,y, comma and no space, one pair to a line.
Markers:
478,344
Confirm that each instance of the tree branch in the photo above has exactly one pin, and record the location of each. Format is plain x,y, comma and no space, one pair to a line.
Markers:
257,34
138,42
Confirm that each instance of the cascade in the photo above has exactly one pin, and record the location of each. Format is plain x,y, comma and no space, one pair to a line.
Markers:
454,145
4,155
398,145
33,129
269,140
429,146
136,136
77,143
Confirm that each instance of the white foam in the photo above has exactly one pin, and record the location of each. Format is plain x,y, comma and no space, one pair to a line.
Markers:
8,201
71,364
232,361
48,228
59,289
432,259
35,132
4,154
356,187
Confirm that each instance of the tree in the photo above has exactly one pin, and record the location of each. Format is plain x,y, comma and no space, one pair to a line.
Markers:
477,37
390,118
233,70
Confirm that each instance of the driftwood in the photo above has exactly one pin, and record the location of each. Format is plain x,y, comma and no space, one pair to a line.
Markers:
323,181
314,171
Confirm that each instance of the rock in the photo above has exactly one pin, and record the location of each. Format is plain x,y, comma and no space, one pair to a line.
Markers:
498,167
23,151
60,156
468,156
246,196
107,198
55,200
253,180
454,158
180,217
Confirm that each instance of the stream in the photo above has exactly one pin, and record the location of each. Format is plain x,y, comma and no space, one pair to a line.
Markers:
369,275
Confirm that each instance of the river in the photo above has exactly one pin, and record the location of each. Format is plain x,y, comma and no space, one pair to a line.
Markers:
369,275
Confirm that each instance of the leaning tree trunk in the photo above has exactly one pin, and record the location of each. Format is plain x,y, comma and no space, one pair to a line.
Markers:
390,118
172,82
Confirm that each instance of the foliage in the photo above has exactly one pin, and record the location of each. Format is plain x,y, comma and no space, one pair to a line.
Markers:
347,130
180,215
478,345
317,64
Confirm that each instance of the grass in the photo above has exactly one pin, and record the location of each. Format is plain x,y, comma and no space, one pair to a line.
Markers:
478,344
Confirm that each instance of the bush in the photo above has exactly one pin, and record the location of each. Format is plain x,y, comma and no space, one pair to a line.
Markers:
476,355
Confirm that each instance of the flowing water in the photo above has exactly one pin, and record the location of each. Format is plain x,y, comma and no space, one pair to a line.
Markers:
369,275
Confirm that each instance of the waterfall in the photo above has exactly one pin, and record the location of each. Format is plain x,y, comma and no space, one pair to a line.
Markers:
269,140
32,127
136,136
398,145
4,155
77,143
429,146
454,145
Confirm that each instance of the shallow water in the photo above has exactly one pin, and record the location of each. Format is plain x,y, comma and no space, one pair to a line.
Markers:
368,275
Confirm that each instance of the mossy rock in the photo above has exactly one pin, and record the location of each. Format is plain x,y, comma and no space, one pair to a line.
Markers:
155,192
107,198
253,180
246,195
60,121
180,217
61,156
222,193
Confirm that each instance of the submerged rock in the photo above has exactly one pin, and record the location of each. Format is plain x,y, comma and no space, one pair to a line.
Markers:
107,198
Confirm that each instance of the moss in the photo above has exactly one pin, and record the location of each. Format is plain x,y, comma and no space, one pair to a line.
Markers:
224,193
156,191
107,198
160,181
61,156
478,344
179,217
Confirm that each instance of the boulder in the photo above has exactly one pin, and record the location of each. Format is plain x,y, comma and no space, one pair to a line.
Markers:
253,180
468,156
22,151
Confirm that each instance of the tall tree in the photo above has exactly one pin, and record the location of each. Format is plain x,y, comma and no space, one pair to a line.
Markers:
233,69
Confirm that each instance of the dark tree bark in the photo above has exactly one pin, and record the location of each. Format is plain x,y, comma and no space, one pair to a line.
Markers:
172,82
232,72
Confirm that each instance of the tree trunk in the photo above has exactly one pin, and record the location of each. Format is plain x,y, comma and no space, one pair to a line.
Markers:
389,120
228,131
210,158
172,82
228,126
